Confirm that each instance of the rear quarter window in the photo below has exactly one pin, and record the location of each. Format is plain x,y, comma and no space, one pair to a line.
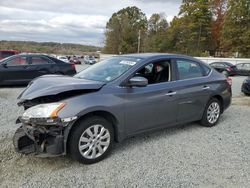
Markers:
206,69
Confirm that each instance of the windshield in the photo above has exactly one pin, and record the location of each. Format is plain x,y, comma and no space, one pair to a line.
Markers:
109,69
7,58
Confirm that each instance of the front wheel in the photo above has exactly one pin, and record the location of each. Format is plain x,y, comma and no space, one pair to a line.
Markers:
212,113
91,140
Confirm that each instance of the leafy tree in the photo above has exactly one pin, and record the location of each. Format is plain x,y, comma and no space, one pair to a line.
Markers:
236,29
191,32
47,47
157,35
122,30
218,8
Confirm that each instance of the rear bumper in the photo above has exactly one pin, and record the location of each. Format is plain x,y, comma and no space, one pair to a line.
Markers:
227,98
40,140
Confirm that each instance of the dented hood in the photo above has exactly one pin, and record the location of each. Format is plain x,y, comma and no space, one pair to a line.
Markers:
55,84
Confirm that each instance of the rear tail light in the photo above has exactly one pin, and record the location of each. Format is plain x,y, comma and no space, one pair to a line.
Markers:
229,81
229,69
73,66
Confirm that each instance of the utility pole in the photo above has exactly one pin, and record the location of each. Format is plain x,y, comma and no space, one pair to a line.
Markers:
139,41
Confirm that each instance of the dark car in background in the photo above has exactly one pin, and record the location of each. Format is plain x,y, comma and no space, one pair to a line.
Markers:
22,68
243,69
225,67
7,53
115,99
245,88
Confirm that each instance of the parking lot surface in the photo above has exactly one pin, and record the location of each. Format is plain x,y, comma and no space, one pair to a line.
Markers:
185,156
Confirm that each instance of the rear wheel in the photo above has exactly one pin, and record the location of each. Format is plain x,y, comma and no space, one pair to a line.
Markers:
91,140
212,113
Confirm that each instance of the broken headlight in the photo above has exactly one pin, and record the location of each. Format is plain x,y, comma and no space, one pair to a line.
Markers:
49,110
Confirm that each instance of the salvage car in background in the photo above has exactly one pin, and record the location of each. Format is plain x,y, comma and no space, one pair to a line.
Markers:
243,69
21,69
63,58
75,60
226,68
7,53
89,60
116,99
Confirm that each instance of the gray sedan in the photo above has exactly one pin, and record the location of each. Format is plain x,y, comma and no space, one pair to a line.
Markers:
115,99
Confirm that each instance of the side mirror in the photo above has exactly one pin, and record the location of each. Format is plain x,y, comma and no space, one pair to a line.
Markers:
137,81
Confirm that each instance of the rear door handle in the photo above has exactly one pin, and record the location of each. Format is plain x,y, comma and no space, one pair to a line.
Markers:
26,67
206,87
42,71
171,93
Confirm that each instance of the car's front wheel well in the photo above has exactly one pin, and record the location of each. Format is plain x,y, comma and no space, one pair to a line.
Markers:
104,114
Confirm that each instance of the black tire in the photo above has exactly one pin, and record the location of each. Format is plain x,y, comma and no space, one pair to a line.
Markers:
204,121
77,132
246,94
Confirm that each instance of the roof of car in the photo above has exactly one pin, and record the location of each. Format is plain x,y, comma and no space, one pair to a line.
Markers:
223,62
155,55
8,51
34,54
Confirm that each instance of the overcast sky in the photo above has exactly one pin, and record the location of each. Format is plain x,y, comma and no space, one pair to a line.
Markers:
70,21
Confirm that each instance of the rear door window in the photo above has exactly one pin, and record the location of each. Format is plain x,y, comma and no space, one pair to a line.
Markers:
40,61
246,66
188,69
239,66
218,65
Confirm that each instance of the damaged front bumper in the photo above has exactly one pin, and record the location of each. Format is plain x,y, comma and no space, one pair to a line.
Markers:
42,140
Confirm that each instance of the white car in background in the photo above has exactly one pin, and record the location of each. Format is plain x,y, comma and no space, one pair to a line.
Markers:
63,58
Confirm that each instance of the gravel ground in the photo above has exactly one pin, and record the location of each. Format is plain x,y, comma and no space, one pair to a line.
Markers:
237,82
187,156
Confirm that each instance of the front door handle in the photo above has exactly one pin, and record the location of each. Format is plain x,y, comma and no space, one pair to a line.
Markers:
171,93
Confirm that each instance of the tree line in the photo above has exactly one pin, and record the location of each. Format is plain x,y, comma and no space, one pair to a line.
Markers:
47,47
202,28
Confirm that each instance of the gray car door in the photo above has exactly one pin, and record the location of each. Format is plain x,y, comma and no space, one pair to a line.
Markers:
150,107
193,90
